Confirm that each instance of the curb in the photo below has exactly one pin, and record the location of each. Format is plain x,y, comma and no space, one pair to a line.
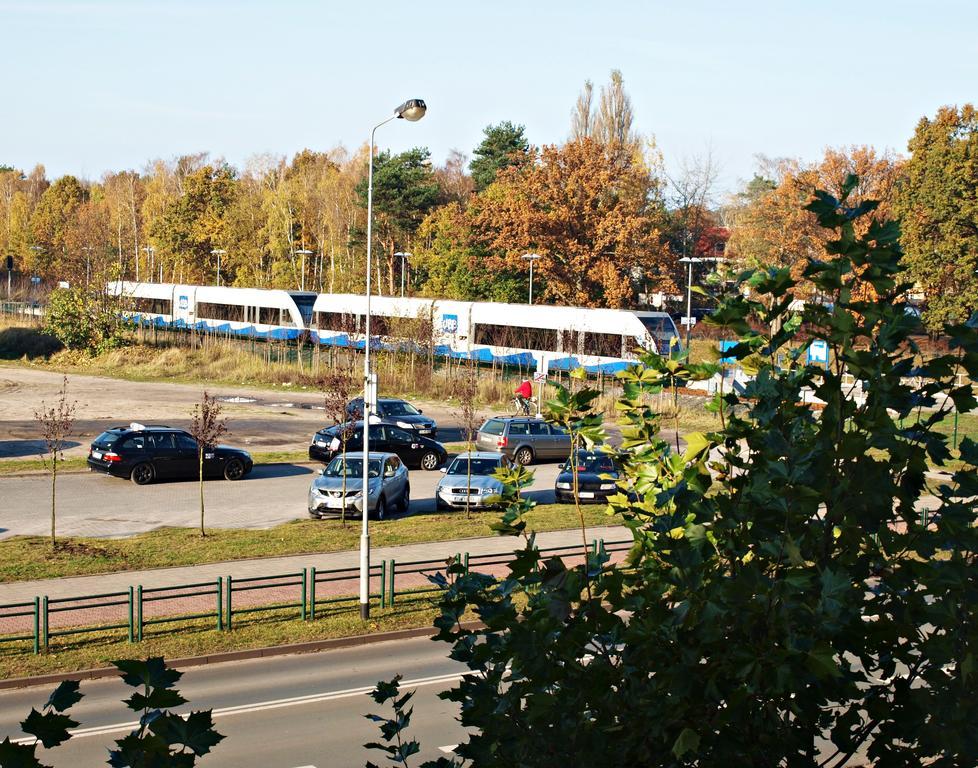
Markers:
311,646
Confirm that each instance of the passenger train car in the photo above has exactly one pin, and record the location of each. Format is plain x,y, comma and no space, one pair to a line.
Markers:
563,338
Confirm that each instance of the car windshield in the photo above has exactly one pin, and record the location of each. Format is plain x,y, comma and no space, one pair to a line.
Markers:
351,468
106,438
594,462
479,466
400,408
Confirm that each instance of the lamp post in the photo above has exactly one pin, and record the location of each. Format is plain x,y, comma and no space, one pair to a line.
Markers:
218,252
411,110
302,271
404,257
150,253
531,257
691,260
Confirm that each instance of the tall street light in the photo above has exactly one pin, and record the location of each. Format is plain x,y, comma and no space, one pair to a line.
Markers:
691,260
531,257
150,251
411,110
217,252
302,274
404,257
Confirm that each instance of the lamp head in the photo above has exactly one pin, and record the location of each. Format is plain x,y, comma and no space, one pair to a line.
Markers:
412,110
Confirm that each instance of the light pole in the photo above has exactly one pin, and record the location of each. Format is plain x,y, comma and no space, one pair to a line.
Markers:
404,258
218,252
531,257
302,274
150,254
691,260
411,110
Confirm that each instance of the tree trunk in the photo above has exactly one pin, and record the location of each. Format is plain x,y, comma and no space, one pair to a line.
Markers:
54,479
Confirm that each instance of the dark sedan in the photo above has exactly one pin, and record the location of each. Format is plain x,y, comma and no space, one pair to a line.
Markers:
413,450
596,476
398,413
147,453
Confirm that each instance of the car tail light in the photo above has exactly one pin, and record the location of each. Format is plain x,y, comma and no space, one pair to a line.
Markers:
111,456
502,442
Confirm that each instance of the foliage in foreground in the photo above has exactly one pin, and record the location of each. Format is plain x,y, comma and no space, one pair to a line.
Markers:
785,602
161,739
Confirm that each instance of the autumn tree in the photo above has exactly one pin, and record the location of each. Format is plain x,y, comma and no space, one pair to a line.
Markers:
592,218
610,121
56,423
50,222
404,191
206,427
338,386
939,205
503,145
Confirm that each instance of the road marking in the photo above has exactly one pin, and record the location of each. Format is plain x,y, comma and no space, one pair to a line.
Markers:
449,748
261,706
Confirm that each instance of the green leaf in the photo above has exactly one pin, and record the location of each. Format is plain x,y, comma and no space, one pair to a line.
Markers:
821,661
688,741
696,444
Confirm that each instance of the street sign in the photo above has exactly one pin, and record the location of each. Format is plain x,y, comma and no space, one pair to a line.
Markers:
690,321
818,352
540,376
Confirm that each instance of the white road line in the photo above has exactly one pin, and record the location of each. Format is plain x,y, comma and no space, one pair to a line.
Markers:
448,748
261,706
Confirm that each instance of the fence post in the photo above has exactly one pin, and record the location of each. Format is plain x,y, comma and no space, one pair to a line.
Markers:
220,603
37,625
44,623
466,564
130,634
302,602
383,583
390,591
227,613
139,613
312,593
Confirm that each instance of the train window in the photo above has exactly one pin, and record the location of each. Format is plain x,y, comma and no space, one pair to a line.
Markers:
515,338
151,306
379,325
268,315
603,344
208,311
334,321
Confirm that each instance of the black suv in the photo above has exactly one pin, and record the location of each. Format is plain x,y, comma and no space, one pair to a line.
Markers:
400,413
414,450
145,453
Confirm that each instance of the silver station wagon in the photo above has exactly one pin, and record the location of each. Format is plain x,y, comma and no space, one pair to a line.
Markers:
523,439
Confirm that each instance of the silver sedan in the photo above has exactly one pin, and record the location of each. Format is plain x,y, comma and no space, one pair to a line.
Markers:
469,480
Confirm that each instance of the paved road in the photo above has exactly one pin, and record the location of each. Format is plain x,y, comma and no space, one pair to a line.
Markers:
98,505
276,713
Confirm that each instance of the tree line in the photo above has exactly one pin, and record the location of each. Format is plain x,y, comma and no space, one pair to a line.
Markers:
609,222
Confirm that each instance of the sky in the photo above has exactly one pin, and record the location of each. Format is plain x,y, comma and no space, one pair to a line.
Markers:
102,85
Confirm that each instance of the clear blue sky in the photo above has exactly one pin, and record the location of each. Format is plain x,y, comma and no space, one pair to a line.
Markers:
111,84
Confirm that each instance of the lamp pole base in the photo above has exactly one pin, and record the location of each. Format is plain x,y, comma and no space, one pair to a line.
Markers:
364,611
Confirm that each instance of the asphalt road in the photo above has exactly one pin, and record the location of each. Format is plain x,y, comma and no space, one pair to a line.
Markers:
91,504
283,712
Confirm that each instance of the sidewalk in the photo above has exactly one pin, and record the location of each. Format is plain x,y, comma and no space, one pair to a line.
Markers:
23,591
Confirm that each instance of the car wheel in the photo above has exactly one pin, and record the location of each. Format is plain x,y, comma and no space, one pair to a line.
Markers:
406,499
430,461
142,474
523,456
234,470
380,512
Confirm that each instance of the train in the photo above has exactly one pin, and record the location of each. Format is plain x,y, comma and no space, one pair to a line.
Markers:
531,336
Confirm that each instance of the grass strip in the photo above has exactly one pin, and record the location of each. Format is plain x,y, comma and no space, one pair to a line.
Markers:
79,463
24,558
199,637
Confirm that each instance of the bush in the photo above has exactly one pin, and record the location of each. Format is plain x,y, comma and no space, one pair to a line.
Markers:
85,320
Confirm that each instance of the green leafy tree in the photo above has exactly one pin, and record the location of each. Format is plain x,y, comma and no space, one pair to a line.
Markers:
939,206
504,145
784,601
50,222
405,190
85,319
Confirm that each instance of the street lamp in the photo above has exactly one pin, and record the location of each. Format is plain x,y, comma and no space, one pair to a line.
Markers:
691,260
150,251
302,275
218,252
531,257
411,110
404,257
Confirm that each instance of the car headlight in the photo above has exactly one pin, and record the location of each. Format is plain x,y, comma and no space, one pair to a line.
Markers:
405,425
564,486
607,486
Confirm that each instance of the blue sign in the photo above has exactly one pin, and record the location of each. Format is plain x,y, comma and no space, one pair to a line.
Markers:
449,323
818,352
724,346
184,302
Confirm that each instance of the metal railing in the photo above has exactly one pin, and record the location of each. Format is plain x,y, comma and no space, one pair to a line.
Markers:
297,591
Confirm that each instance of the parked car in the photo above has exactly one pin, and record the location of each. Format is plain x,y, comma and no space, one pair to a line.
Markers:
388,486
400,413
470,478
523,439
144,453
596,476
414,450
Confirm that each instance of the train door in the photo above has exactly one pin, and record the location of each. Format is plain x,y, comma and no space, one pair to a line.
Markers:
183,304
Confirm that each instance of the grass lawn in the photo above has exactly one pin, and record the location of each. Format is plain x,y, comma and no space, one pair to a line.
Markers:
78,463
24,558
196,637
